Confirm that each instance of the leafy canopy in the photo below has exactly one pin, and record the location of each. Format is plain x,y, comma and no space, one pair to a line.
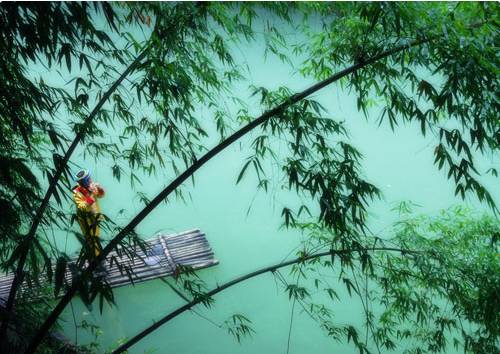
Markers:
142,71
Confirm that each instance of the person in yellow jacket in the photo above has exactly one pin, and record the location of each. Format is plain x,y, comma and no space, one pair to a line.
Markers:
88,213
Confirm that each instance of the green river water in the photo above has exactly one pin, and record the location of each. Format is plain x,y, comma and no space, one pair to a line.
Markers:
400,163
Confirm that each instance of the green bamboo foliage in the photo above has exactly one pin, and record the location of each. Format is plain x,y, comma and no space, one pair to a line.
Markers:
439,293
430,283
433,64
448,85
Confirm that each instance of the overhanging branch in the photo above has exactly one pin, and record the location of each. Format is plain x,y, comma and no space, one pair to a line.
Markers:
238,280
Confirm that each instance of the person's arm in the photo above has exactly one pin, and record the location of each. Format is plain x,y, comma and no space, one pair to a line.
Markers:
98,190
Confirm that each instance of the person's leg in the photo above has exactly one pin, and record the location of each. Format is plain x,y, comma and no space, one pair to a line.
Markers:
96,242
86,227
93,234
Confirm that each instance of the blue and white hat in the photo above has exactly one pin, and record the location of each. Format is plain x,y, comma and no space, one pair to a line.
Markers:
82,175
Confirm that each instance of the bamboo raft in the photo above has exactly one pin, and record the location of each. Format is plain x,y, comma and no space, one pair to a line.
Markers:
164,253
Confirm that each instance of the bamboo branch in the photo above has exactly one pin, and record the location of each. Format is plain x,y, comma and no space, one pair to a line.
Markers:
240,279
199,163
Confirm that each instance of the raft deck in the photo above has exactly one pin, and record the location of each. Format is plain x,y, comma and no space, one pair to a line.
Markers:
164,254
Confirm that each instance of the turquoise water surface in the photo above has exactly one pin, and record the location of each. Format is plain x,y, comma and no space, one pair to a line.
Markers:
400,163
